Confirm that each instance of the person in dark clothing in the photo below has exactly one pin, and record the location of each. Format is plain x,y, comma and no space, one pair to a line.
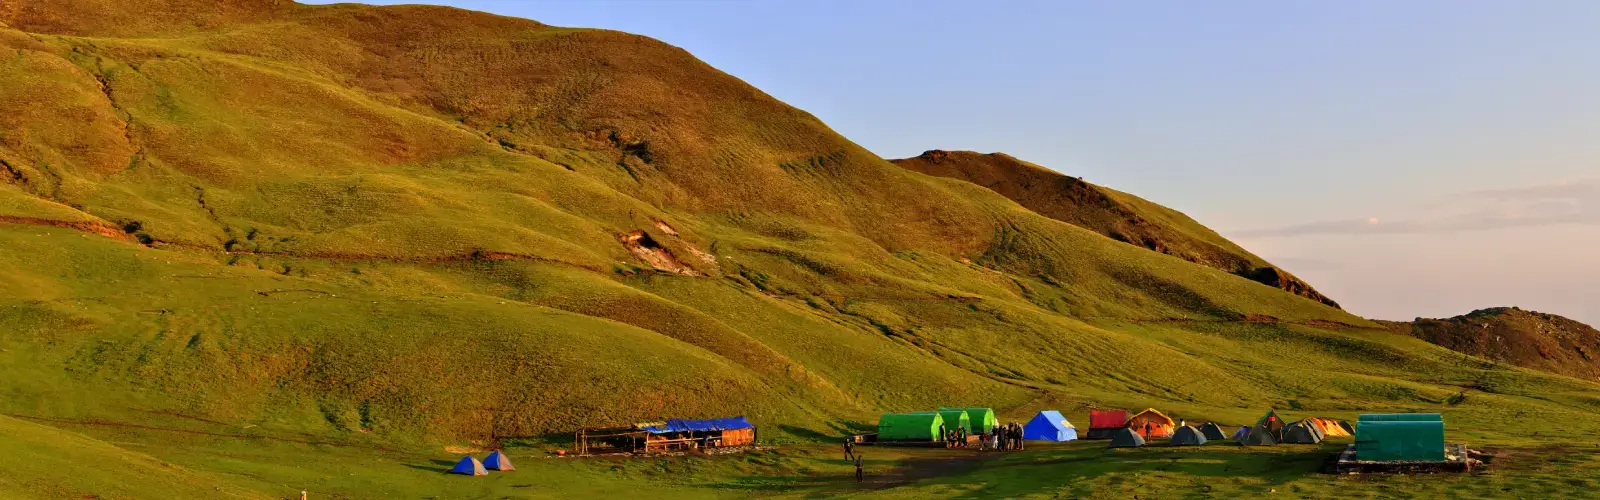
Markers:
1147,428
849,449
859,475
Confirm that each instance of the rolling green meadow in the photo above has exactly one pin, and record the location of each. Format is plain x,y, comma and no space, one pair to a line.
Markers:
253,248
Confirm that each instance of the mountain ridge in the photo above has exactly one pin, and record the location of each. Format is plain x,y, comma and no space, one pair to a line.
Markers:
1115,214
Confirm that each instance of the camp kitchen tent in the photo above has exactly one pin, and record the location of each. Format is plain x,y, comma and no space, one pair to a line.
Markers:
1049,425
920,426
956,418
980,419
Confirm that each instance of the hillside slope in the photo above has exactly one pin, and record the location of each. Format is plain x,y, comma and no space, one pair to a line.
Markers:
1529,339
1120,216
407,226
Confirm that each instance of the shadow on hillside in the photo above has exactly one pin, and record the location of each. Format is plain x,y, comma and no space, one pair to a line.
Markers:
1077,471
840,431
438,465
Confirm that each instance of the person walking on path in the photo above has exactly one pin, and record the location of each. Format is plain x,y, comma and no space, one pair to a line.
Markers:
859,475
849,449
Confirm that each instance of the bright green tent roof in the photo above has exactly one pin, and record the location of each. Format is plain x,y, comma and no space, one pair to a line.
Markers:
921,426
956,418
980,419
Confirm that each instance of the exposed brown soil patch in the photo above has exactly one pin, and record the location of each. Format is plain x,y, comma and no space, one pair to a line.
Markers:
101,229
1511,335
647,249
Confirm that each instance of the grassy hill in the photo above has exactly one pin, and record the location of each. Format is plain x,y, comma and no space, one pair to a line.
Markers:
266,242
1118,215
1529,339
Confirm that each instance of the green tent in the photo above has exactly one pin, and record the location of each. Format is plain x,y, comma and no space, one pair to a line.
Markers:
1258,436
1126,438
1212,431
1303,432
980,419
956,418
920,426
1188,435
1400,437
1272,423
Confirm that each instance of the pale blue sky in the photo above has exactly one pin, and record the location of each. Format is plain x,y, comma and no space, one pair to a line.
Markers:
1420,157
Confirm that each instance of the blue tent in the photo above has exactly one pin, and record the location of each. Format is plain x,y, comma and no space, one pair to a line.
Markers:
1049,425
469,466
714,424
498,461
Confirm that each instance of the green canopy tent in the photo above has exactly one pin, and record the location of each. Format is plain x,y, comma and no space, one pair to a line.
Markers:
921,426
1126,438
956,418
980,419
1303,432
1188,436
1212,431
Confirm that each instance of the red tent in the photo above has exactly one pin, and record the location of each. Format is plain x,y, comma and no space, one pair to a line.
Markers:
1103,423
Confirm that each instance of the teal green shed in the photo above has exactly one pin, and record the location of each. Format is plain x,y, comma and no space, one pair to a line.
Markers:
1400,438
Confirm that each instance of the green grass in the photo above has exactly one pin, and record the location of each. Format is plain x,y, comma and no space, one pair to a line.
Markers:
311,247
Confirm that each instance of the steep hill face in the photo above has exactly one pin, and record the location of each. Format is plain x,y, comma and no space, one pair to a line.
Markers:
1119,216
432,223
1511,335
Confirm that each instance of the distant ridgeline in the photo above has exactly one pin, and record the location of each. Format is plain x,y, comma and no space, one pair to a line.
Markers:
1118,215
1512,335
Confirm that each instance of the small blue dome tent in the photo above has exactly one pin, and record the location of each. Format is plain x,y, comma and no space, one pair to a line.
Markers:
498,461
469,466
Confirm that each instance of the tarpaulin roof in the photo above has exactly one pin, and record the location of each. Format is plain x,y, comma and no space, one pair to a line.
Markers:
712,424
1107,419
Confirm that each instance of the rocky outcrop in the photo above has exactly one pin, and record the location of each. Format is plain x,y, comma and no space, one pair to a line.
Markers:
1516,336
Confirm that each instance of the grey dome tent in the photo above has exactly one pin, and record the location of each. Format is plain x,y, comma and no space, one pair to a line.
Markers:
1239,435
1126,438
1258,436
1188,436
1212,431
1302,433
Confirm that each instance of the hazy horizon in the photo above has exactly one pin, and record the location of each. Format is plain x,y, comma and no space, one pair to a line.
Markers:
1407,159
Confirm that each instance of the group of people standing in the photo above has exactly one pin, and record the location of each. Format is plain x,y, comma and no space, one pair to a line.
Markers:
1005,437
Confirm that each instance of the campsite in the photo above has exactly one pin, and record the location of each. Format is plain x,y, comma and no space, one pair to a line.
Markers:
318,249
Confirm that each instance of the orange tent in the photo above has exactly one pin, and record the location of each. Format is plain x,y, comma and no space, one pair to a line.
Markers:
1330,427
1159,426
